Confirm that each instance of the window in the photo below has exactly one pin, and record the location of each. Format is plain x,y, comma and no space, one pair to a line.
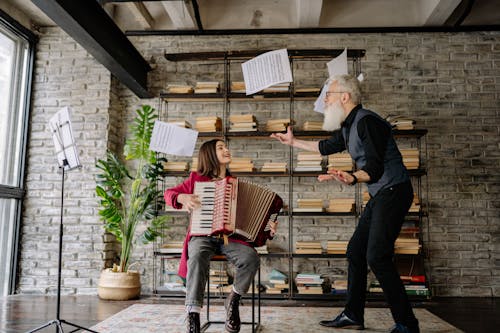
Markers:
16,61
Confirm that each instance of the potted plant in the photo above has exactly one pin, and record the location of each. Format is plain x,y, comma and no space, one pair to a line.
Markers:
128,198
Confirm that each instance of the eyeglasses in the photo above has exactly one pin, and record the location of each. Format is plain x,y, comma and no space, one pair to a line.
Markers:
334,92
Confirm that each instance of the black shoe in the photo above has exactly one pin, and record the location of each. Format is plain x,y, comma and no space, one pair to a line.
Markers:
232,305
400,328
342,321
193,322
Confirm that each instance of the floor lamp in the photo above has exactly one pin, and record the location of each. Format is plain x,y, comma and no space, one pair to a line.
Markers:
67,157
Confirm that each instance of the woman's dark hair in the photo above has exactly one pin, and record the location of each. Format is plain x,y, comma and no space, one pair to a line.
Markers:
208,163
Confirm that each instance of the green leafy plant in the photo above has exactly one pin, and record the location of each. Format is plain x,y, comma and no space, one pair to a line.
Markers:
126,200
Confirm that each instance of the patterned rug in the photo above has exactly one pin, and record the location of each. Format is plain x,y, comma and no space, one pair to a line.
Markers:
144,318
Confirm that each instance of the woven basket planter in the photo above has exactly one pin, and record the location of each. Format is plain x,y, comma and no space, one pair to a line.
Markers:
119,286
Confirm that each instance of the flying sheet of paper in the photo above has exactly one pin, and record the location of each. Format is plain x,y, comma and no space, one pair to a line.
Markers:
172,139
336,66
64,142
319,104
266,70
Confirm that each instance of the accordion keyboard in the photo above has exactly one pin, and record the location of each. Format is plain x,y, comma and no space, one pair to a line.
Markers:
202,217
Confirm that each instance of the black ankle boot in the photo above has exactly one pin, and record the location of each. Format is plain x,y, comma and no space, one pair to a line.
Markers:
233,322
193,322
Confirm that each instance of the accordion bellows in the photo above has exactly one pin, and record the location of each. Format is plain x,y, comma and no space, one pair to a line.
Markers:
233,206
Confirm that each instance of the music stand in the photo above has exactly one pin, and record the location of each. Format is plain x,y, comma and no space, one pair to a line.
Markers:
67,157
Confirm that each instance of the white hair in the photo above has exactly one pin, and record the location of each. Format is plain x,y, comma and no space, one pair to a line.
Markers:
349,84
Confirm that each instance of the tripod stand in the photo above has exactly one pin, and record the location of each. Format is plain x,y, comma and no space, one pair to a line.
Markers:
67,156
58,321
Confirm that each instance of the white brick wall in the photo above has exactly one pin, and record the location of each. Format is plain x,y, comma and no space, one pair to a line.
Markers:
65,75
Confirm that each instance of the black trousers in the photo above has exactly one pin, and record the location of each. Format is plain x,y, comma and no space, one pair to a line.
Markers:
373,244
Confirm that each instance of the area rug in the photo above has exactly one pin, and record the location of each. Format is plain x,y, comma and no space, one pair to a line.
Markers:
164,318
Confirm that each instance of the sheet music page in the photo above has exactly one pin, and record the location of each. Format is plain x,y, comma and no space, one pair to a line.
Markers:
266,70
64,142
319,104
172,139
336,66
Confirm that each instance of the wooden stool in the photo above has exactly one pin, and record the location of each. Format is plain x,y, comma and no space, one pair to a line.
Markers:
255,323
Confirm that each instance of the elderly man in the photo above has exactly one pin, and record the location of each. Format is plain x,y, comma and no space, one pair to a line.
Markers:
368,139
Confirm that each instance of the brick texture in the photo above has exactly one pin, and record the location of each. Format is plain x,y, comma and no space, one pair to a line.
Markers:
448,82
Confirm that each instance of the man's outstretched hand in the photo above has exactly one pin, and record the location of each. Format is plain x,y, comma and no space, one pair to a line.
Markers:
285,138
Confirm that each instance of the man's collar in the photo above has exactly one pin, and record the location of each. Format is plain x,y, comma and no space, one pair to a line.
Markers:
350,117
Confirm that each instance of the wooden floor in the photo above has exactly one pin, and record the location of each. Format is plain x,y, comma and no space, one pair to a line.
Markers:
22,313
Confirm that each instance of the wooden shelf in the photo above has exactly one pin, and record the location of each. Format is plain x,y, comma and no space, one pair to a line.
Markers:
193,97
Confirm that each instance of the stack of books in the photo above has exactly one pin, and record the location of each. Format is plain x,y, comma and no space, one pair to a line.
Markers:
274,167
171,247
262,249
308,161
341,205
415,205
417,290
401,122
241,164
242,123
336,247
375,287
238,87
179,89
309,283
175,166
406,245
411,289
339,287
208,124
309,205
312,126
340,161
280,87
208,87
219,280
194,164
311,247
180,123
409,279
411,158
278,282
415,285
277,125
409,229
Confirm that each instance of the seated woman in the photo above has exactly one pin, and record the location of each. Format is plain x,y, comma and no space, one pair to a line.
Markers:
213,160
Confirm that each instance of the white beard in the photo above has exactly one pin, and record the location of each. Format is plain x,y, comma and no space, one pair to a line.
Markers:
334,116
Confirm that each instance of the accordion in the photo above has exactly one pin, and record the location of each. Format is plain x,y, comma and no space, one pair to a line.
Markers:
233,206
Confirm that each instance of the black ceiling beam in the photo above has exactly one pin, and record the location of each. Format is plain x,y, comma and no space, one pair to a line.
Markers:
197,16
89,25
460,13
209,32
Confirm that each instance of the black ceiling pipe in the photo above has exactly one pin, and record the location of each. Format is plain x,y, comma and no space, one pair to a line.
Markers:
298,31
